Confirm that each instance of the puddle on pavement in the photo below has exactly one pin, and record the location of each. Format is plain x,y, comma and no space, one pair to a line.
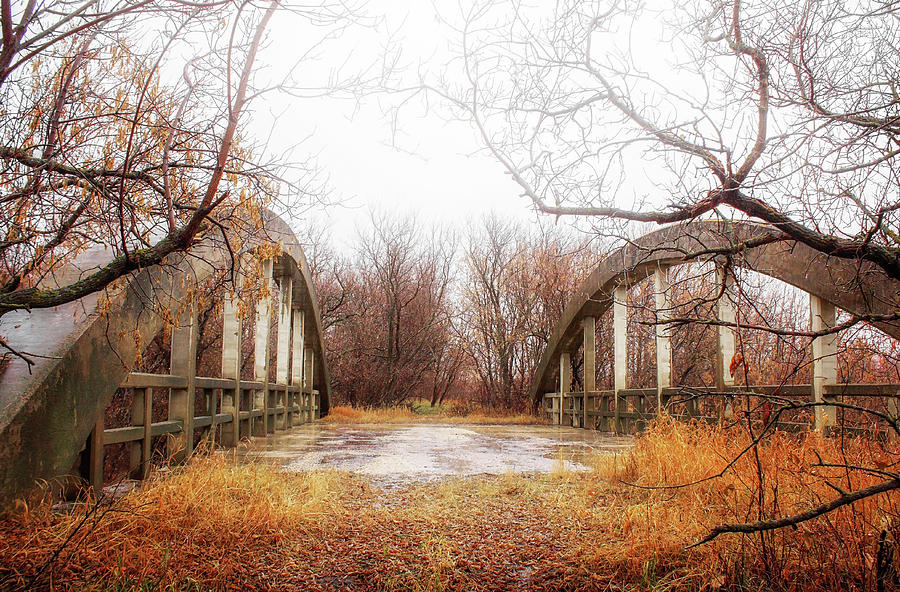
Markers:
398,454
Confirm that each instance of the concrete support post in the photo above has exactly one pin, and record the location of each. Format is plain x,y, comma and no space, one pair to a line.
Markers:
282,361
663,342
726,344
590,367
309,359
231,362
183,363
565,381
727,347
264,309
824,352
893,410
620,351
297,360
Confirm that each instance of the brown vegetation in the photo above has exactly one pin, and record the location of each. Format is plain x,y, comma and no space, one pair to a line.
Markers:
626,524
454,412
412,314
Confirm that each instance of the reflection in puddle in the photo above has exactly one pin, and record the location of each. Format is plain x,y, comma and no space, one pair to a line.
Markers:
402,453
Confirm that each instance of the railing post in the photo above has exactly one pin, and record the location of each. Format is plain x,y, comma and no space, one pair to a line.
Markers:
284,346
663,342
620,351
309,359
590,367
141,415
261,350
231,360
210,398
297,358
824,353
96,456
726,348
565,381
183,362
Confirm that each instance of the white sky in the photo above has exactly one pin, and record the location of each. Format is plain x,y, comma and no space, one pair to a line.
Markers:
439,171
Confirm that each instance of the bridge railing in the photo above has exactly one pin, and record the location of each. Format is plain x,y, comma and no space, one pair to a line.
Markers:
629,410
289,406
218,411
832,284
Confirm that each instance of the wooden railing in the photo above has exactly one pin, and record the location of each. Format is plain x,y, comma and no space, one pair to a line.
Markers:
223,410
284,407
629,410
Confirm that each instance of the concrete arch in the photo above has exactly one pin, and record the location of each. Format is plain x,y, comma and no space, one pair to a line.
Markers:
84,350
857,287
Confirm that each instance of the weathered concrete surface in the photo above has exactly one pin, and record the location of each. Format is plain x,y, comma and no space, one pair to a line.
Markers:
293,261
85,349
47,417
858,288
397,454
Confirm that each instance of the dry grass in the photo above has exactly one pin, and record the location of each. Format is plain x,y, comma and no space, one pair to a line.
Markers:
424,413
653,526
194,525
217,526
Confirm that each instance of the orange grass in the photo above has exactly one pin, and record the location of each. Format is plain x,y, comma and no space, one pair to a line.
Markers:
656,525
214,525
452,414
193,525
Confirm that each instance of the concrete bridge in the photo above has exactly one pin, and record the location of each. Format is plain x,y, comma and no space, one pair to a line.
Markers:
52,414
854,286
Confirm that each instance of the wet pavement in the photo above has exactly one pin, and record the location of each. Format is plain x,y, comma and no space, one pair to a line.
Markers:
397,454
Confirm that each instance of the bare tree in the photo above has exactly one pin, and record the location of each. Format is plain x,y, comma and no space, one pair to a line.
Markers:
104,147
393,339
781,112
765,109
517,284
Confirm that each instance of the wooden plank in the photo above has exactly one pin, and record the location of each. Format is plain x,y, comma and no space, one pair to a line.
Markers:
634,392
787,390
145,380
213,383
201,421
863,390
135,433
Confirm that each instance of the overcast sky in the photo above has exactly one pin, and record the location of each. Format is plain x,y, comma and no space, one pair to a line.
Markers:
432,167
